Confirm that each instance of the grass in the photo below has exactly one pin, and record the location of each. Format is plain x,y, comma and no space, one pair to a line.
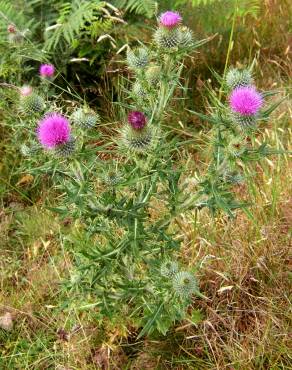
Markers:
244,270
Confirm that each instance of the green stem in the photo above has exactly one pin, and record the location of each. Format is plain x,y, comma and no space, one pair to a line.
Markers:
230,46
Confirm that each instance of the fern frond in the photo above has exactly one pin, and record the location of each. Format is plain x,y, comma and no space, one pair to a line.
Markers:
72,18
147,8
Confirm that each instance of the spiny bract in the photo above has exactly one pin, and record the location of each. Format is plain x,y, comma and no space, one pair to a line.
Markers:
66,149
185,37
244,121
27,151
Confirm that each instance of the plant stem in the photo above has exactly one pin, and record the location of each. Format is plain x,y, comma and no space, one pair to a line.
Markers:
230,46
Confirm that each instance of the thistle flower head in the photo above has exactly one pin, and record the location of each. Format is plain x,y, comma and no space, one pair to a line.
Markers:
184,284
47,70
26,90
53,130
28,150
167,38
244,121
141,140
139,90
245,101
186,37
170,19
137,120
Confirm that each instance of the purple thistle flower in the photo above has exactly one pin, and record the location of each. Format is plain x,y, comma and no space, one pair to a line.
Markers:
245,100
137,120
47,70
53,130
170,19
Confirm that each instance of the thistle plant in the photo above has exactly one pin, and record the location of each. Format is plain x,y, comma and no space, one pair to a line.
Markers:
120,250
124,248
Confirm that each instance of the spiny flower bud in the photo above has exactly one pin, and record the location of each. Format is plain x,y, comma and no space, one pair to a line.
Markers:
238,78
184,284
232,177
137,140
169,269
137,120
137,58
167,38
85,118
25,90
153,74
112,178
185,37
170,19
30,102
